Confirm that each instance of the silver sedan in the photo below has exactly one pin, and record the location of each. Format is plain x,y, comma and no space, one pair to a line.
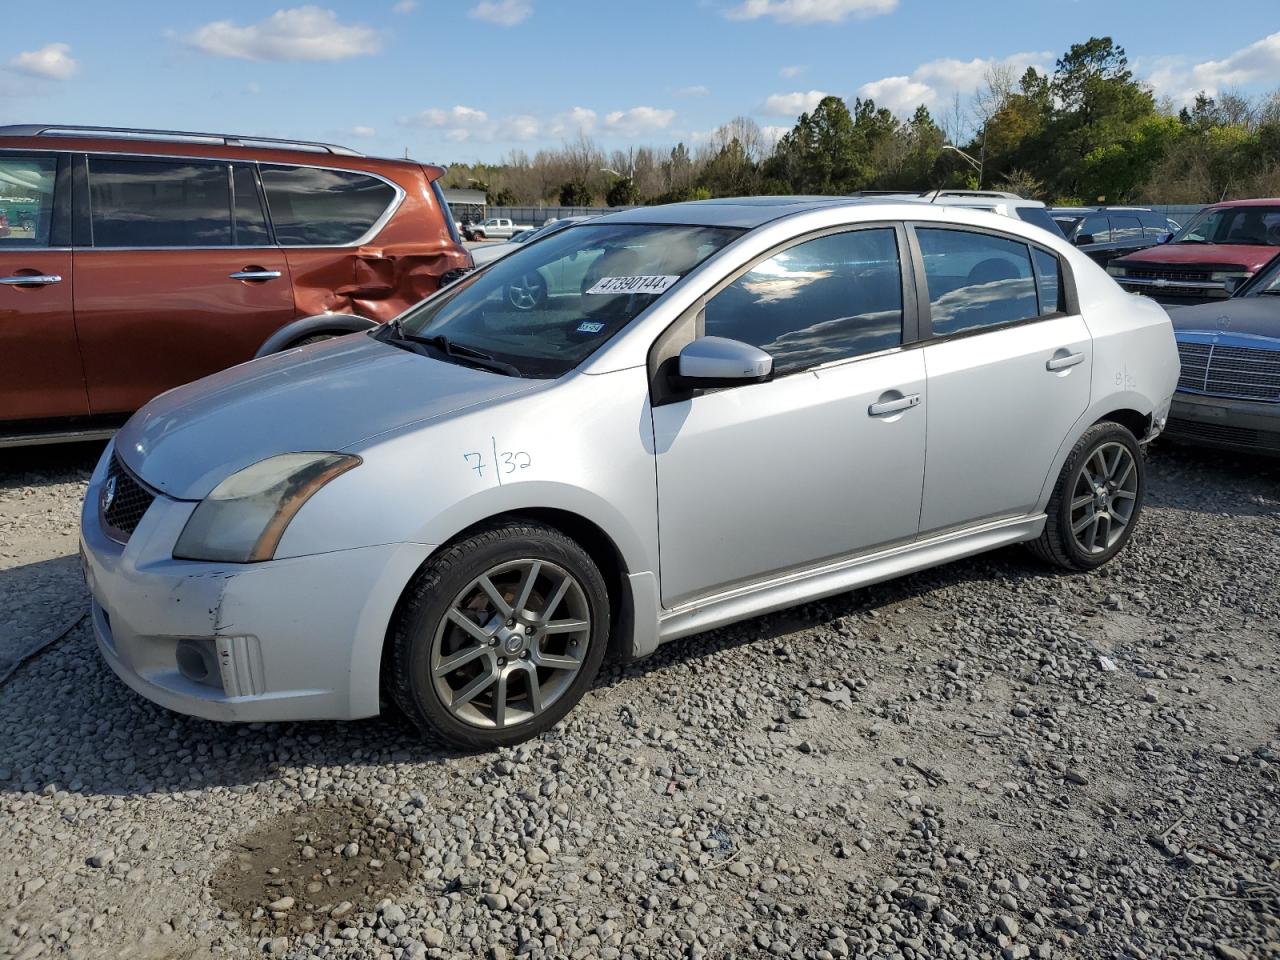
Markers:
709,411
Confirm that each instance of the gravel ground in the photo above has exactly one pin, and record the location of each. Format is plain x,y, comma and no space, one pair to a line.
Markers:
986,760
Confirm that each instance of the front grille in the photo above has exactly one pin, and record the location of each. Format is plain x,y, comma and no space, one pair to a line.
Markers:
123,501
1249,373
1167,273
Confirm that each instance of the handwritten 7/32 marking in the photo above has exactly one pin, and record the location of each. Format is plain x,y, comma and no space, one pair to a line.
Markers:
502,462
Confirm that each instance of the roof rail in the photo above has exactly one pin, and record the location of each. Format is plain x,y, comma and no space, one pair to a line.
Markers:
993,194
186,136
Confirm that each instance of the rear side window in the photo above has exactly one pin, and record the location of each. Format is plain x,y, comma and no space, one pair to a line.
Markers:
450,224
26,200
323,208
1124,229
251,220
1048,281
976,280
159,203
827,299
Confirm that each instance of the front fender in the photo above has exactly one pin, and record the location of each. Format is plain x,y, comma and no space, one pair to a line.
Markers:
291,333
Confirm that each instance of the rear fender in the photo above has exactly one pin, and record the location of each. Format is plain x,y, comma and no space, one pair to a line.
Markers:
291,333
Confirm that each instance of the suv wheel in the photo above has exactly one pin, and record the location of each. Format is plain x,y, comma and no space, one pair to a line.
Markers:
499,636
1097,500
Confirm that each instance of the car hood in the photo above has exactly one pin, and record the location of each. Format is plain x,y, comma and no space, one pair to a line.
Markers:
324,397
1241,316
1216,256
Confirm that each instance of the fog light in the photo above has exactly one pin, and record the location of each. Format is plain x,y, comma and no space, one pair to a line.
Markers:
198,662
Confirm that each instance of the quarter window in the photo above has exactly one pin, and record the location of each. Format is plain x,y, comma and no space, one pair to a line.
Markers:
976,280
827,299
251,221
1048,281
159,203
315,207
26,200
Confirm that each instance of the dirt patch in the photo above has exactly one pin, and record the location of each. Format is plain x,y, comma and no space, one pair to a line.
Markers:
311,868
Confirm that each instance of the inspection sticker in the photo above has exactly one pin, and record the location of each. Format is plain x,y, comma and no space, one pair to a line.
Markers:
590,326
616,285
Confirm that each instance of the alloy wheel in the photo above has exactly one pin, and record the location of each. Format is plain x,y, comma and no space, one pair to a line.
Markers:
526,292
511,643
1103,497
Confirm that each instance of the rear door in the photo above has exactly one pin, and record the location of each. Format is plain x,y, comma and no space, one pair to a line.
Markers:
176,274
1008,367
40,372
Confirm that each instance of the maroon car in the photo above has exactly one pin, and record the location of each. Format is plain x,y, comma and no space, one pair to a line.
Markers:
1222,247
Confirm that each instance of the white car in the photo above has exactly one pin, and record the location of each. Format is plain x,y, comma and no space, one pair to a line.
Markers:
994,201
496,251
734,406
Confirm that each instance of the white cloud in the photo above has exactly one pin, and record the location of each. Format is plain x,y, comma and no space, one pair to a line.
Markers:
362,131
522,127
405,6
298,33
792,71
697,90
1175,77
934,83
572,122
53,61
458,123
810,11
792,104
638,120
773,133
505,13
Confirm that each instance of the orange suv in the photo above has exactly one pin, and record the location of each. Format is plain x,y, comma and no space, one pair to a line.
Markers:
137,260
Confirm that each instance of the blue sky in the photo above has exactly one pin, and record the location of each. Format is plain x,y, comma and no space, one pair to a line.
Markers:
461,80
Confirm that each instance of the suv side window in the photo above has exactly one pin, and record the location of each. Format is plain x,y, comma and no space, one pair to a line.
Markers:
314,207
159,203
1097,227
976,280
1154,225
825,299
251,219
1125,229
26,200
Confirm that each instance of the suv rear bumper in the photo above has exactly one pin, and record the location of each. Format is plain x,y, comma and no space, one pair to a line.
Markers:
1226,423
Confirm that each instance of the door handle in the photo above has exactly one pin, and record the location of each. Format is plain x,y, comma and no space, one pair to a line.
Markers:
33,279
255,273
1064,361
882,407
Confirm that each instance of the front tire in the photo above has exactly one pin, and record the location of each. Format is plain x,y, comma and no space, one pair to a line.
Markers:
498,636
1096,501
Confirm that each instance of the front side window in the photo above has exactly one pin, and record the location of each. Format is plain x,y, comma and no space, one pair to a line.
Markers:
159,203
827,299
311,207
1097,227
26,200
976,280
1126,229
545,308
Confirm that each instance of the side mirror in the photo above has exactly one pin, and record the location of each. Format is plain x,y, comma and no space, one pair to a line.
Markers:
1083,238
1164,238
721,362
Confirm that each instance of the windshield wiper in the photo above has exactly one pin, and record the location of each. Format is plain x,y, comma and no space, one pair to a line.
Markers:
458,351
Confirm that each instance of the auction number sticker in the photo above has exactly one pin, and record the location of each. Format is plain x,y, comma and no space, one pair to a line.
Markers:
616,285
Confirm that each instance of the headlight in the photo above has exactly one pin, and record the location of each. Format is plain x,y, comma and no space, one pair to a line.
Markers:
245,516
1231,279
1116,271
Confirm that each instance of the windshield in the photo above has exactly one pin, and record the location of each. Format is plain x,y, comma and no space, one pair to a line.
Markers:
1267,283
549,305
1256,226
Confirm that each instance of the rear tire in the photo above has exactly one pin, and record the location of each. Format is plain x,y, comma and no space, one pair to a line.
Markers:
498,636
1096,501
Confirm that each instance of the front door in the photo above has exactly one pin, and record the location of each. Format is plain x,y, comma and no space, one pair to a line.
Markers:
825,460
178,278
40,372
1008,374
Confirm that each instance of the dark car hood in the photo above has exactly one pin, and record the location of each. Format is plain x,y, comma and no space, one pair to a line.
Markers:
324,397
1242,316
1217,256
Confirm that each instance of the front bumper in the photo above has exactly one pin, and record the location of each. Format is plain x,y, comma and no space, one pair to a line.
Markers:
1226,423
294,639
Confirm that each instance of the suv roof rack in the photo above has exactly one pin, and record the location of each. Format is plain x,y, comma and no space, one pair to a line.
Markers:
186,136
993,194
